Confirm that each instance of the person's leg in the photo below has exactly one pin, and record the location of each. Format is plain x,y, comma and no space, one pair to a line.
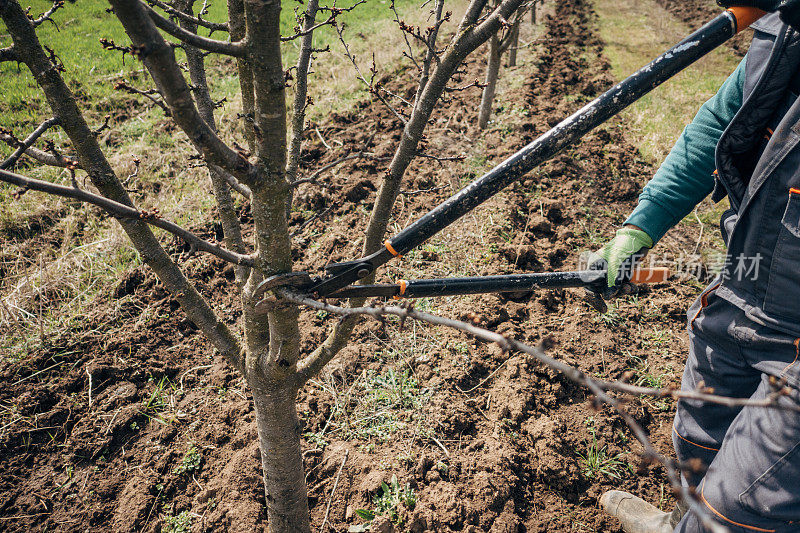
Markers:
753,483
715,360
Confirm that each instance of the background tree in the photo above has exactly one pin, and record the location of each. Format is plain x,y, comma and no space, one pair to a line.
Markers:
499,43
267,353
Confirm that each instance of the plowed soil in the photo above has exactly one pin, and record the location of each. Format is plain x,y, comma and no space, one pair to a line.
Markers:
97,425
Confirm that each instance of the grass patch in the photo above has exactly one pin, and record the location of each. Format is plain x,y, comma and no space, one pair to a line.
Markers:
597,462
635,32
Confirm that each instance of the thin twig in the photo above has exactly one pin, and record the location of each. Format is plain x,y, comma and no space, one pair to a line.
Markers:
28,142
333,490
213,26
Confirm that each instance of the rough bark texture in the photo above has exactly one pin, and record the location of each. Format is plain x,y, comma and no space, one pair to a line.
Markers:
490,83
271,362
282,462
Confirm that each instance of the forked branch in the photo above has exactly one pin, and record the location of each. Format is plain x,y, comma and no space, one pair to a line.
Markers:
122,211
236,49
47,15
23,146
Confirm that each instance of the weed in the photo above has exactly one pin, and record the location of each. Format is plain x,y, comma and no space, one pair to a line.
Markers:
611,317
180,523
190,462
160,401
597,462
390,501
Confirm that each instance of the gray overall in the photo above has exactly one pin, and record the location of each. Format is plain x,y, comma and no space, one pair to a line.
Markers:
744,328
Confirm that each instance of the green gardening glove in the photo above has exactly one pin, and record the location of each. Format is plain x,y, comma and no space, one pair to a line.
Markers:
619,258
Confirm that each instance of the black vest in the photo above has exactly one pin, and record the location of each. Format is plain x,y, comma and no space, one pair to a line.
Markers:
758,167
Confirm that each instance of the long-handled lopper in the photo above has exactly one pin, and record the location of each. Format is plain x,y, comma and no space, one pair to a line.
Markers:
698,44
511,283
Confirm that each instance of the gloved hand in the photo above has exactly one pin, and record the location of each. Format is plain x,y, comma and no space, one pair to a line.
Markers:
789,9
619,258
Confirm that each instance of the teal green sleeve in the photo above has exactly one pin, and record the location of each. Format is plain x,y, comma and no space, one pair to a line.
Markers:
686,175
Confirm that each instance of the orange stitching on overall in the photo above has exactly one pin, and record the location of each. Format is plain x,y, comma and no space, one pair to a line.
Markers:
754,528
693,443
703,303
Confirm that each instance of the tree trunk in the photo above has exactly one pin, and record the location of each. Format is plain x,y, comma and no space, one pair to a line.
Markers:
281,460
512,49
533,12
492,71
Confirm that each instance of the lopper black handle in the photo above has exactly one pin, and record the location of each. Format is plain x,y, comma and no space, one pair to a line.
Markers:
493,284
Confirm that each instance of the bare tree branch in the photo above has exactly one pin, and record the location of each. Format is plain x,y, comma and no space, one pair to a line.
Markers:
431,54
122,211
404,30
58,4
301,100
244,190
236,49
231,227
159,58
121,85
236,23
472,14
8,54
28,142
177,13
51,157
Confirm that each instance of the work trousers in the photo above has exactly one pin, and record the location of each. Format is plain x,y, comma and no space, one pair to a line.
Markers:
752,483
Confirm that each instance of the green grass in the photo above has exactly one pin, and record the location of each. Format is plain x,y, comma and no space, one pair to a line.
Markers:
635,32
91,70
597,462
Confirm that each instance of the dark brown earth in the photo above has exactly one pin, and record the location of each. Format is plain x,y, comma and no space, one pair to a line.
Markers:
103,415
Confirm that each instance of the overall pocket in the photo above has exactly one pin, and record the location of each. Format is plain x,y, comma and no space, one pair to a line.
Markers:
782,299
774,493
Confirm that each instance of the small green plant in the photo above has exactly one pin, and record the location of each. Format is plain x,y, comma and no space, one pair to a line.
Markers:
190,462
611,317
389,502
180,523
597,462
160,399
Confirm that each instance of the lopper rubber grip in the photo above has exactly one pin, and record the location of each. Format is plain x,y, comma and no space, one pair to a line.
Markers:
650,275
745,16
